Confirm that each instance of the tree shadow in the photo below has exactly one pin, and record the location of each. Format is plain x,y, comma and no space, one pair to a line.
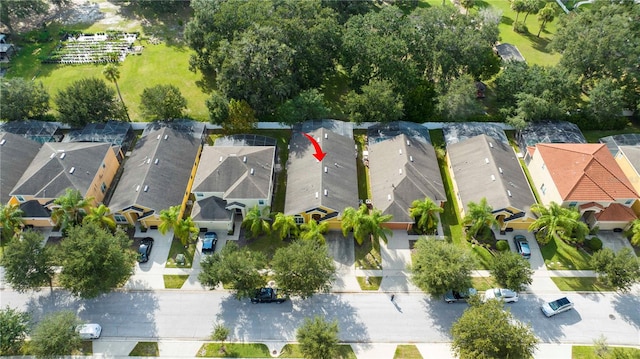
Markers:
627,308
506,20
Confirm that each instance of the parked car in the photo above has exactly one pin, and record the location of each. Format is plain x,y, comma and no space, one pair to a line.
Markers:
209,242
144,251
557,306
268,295
89,331
454,296
505,295
522,245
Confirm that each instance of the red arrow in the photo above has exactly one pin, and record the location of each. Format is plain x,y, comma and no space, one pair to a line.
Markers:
319,155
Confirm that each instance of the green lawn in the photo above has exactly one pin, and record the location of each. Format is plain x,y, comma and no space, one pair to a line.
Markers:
594,136
374,283
145,349
234,350
581,284
174,281
364,191
483,283
559,255
266,244
407,352
178,248
588,352
293,351
158,64
484,258
367,255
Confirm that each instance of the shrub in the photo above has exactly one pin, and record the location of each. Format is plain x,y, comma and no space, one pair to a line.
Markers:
595,244
520,27
502,246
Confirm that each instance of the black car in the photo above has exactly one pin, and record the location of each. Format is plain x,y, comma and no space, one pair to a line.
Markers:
144,251
267,295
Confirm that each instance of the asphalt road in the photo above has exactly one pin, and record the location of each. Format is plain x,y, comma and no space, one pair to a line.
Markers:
362,317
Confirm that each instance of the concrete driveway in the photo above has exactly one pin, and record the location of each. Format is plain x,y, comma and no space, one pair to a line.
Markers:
342,251
614,240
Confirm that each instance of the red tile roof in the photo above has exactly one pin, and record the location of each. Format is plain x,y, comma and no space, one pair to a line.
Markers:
585,172
616,213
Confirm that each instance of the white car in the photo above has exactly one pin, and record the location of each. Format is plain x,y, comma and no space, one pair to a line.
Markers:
89,331
557,306
505,295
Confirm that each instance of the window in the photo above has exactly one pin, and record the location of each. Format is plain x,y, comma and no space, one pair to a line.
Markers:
20,198
543,189
199,194
104,165
628,202
103,187
573,204
261,202
544,166
299,219
120,218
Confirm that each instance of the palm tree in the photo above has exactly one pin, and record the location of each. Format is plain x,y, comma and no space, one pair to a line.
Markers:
479,216
312,231
356,220
255,221
556,220
285,225
70,209
100,216
546,14
184,229
518,6
376,230
112,73
635,231
10,220
424,212
168,219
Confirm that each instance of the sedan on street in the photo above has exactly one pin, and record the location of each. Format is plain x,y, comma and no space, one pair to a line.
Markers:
505,295
557,306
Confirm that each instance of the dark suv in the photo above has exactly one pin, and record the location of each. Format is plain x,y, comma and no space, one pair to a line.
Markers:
144,251
522,246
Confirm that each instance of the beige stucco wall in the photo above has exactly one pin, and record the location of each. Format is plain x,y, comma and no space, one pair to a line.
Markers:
540,176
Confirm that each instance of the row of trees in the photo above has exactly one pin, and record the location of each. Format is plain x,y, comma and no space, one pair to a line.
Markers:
87,100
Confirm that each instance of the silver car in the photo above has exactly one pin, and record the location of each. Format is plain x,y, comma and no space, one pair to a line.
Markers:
89,331
505,295
557,306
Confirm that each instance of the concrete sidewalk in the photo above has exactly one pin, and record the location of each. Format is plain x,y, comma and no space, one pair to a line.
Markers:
106,348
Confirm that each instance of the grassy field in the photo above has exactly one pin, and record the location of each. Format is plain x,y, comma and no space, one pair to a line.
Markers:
407,352
293,351
367,255
483,283
178,248
374,283
145,349
234,350
581,284
589,352
174,281
559,255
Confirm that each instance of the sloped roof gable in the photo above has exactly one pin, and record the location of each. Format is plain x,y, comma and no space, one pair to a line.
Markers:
16,154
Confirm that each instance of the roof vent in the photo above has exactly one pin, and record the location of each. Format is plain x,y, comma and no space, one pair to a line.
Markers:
316,194
486,160
500,169
400,170
52,155
493,178
509,193
148,160
166,137
317,139
408,143
146,188
72,169
137,188
244,159
2,142
62,155
156,161
326,169
220,159
400,151
159,136
326,135
491,144
411,158
252,171
388,197
326,192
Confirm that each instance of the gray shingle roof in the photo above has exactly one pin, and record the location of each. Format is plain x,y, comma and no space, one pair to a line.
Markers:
306,177
455,132
402,170
487,168
633,155
508,52
16,153
210,209
161,163
236,171
59,166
